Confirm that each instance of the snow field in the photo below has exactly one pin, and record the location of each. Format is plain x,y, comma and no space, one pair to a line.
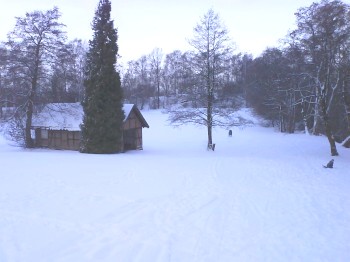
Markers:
261,196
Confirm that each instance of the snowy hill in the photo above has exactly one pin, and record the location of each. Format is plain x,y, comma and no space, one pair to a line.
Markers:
261,196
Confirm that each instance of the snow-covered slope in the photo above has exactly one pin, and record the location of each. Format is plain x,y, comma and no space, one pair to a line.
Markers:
261,196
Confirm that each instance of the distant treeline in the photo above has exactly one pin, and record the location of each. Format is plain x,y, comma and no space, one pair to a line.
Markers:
303,85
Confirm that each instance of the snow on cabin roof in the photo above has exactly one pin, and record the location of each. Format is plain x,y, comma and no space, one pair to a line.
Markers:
67,116
127,109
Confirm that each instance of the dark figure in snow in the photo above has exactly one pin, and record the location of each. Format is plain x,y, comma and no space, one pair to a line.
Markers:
330,164
230,133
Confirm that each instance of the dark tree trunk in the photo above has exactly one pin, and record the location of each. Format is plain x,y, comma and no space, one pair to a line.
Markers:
328,129
346,98
331,140
30,103
158,93
29,114
210,119
209,128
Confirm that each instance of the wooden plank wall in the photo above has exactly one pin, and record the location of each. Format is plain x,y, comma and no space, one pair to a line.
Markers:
59,139
64,139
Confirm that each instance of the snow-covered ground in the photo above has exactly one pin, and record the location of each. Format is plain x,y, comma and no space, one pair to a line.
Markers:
261,196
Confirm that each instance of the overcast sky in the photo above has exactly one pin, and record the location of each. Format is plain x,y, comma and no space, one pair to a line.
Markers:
167,24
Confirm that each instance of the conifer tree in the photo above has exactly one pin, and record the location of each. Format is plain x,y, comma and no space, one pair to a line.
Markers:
102,104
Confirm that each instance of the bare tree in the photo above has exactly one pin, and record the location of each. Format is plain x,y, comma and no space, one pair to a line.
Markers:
156,58
33,44
212,47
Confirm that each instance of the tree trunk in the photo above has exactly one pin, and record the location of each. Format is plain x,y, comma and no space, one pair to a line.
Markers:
331,140
305,126
346,99
210,138
158,93
210,121
315,130
29,114
291,118
328,129
210,108
30,102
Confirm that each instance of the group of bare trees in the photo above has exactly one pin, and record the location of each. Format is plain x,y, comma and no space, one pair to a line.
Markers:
143,79
305,83
37,66
160,83
302,85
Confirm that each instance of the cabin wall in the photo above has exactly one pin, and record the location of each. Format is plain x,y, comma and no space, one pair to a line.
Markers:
58,139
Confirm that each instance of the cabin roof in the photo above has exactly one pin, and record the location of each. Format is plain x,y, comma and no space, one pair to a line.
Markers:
69,116
128,108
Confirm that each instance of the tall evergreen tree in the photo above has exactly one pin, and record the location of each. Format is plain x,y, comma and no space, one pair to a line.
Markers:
102,104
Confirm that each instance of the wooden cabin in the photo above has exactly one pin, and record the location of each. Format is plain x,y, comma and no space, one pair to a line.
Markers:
58,127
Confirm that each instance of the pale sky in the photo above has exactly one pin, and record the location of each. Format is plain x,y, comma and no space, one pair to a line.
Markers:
167,24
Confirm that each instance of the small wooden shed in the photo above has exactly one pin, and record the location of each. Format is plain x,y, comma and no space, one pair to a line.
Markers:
58,127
